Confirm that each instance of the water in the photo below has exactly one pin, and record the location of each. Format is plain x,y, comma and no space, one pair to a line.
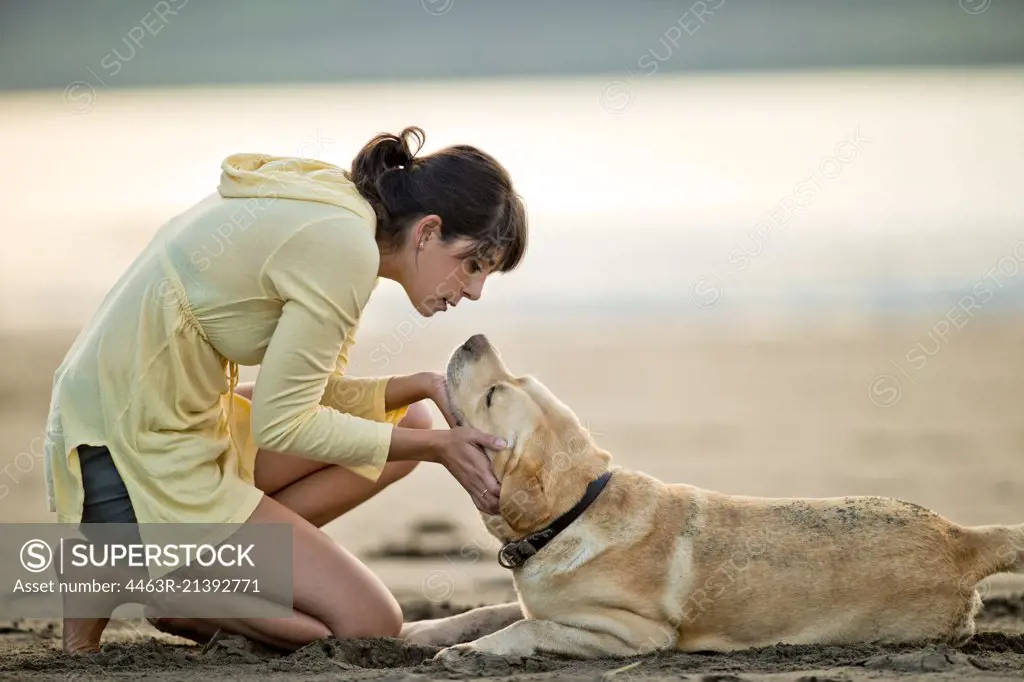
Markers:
648,193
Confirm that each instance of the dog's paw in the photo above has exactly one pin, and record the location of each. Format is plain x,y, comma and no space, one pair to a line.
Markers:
431,633
457,658
421,633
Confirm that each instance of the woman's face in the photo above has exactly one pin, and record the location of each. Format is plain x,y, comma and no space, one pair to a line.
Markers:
440,274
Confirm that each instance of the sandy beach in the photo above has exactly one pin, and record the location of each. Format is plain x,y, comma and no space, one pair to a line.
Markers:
775,407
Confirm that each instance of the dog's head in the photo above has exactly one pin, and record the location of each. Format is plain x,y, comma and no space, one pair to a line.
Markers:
550,457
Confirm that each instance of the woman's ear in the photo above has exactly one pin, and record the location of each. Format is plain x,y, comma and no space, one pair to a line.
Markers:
427,228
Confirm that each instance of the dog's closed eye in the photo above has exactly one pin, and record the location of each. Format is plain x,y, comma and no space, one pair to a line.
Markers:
490,394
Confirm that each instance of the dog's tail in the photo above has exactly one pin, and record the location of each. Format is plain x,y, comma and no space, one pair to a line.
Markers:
994,549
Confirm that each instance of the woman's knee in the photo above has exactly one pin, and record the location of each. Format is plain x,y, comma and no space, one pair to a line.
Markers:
330,584
395,471
369,610
383,619
417,417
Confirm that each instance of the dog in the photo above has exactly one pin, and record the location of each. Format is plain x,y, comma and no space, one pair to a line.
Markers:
611,562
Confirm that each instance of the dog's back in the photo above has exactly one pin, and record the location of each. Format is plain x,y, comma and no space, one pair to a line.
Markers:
833,570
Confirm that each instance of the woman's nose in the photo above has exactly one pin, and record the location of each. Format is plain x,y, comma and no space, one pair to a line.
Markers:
474,290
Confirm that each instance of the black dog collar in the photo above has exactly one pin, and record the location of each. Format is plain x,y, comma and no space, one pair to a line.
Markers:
515,553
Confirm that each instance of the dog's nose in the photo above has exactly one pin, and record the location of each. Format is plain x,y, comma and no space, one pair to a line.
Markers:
475,343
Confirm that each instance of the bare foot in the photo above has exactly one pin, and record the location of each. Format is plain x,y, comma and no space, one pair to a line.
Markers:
192,629
82,635
186,628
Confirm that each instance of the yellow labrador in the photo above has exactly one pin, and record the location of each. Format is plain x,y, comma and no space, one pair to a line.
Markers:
640,565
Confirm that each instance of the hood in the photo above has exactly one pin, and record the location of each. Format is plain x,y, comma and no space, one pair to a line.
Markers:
284,177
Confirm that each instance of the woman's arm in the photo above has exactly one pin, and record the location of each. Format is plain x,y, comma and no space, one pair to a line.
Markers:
374,397
406,390
324,274
461,450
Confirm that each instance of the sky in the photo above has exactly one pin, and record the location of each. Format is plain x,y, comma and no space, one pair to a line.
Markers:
50,43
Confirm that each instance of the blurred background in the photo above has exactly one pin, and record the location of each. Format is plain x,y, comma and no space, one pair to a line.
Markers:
776,247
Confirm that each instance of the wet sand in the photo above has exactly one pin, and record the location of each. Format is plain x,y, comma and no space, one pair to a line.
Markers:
30,653
758,407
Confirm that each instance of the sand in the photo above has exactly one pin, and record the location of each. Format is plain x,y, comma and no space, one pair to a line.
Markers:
31,653
757,407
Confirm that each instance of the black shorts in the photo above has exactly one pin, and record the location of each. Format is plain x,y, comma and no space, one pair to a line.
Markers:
106,498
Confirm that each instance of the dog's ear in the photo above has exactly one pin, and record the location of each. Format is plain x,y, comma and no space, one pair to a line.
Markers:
525,506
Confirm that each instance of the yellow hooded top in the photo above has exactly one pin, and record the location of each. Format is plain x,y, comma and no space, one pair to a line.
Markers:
272,270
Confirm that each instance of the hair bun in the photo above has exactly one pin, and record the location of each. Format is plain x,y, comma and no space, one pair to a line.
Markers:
410,134
397,150
379,157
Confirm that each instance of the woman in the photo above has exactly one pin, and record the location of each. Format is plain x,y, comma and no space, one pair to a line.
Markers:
148,423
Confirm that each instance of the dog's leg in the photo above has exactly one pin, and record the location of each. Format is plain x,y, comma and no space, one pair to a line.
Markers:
463,627
528,637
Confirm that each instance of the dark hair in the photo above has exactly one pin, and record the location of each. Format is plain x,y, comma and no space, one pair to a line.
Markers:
468,189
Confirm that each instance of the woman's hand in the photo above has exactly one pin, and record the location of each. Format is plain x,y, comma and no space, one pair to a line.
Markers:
437,390
459,449
406,390
462,453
